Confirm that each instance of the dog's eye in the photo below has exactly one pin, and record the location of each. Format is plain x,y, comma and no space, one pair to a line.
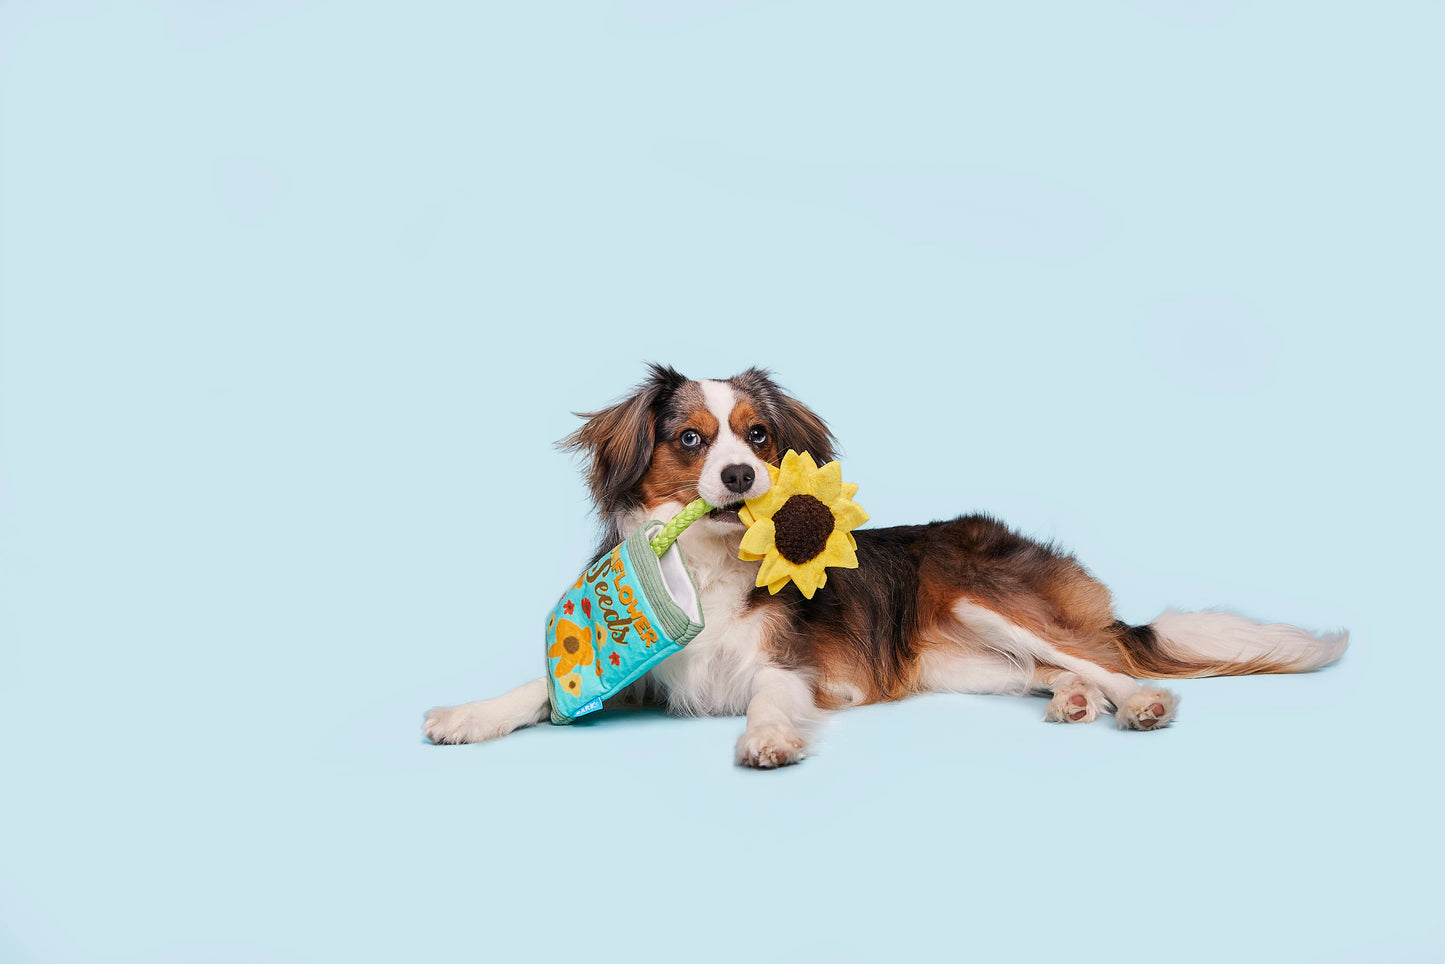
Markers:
757,435
690,439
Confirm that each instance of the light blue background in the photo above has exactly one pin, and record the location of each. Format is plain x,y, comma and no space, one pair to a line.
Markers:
294,298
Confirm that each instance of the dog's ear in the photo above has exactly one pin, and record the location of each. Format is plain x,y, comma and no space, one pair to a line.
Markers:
795,425
617,441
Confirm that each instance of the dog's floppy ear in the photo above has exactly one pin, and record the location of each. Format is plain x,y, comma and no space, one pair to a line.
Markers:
795,425
617,441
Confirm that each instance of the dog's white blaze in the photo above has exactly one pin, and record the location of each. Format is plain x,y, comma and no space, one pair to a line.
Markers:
727,449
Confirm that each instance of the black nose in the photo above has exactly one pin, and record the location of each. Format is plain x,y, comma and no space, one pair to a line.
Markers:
738,478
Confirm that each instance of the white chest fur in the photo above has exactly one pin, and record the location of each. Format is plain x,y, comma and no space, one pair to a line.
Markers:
714,674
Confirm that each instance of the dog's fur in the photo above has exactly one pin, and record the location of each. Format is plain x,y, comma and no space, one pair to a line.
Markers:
962,606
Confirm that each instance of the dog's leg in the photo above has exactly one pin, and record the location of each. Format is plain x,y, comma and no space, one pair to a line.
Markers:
781,713
959,669
1139,707
489,719
1081,695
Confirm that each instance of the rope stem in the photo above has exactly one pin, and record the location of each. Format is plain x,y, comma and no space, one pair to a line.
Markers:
664,539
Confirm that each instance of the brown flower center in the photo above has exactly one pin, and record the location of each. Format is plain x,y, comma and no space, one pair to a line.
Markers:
570,644
803,526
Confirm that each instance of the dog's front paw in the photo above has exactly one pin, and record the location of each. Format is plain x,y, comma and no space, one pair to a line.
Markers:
767,747
468,723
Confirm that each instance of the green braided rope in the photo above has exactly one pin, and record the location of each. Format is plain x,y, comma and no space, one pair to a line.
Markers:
694,510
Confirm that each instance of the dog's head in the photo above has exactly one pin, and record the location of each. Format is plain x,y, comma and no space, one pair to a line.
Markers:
675,439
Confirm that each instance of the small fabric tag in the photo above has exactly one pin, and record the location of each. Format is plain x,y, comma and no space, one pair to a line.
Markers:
585,708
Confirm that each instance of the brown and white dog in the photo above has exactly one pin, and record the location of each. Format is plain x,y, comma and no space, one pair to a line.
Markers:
964,606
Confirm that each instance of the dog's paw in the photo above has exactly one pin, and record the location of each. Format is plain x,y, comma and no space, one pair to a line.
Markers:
1148,709
1075,700
468,723
767,747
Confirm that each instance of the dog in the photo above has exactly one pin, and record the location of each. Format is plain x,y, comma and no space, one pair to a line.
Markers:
967,606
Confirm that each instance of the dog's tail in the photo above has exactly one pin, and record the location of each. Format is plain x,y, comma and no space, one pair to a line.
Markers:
1214,643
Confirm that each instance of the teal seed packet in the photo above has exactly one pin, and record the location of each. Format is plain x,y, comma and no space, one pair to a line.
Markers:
632,609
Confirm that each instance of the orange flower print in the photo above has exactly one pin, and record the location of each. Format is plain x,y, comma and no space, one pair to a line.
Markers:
572,683
572,648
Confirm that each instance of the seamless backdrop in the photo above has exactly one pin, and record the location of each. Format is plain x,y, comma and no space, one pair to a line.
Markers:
295,297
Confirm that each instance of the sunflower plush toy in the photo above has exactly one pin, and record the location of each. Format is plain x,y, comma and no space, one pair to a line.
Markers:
802,525
638,604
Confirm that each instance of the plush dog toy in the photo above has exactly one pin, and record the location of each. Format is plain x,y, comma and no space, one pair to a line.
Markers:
638,604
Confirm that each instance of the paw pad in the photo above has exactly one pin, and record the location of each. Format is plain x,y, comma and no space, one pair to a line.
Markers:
1074,701
1149,709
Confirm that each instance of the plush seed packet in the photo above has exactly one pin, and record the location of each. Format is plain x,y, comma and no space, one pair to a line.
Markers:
628,612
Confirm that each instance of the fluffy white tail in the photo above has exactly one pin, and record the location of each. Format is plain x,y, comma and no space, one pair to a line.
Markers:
1216,643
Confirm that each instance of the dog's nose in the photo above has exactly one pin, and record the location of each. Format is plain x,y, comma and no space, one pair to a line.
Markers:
738,478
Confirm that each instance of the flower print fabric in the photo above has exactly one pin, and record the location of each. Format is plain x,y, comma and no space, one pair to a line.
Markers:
629,611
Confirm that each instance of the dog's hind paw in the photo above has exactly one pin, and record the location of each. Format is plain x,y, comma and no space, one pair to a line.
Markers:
1150,708
1075,700
769,747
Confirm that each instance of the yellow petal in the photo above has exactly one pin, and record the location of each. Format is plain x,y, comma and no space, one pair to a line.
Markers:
773,587
838,553
785,483
745,514
850,515
829,483
852,543
770,501
850,489
808,479
790,473
806,579
774,567
760,537
764,506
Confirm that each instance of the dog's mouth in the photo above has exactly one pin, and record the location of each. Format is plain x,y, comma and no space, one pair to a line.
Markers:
725,514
